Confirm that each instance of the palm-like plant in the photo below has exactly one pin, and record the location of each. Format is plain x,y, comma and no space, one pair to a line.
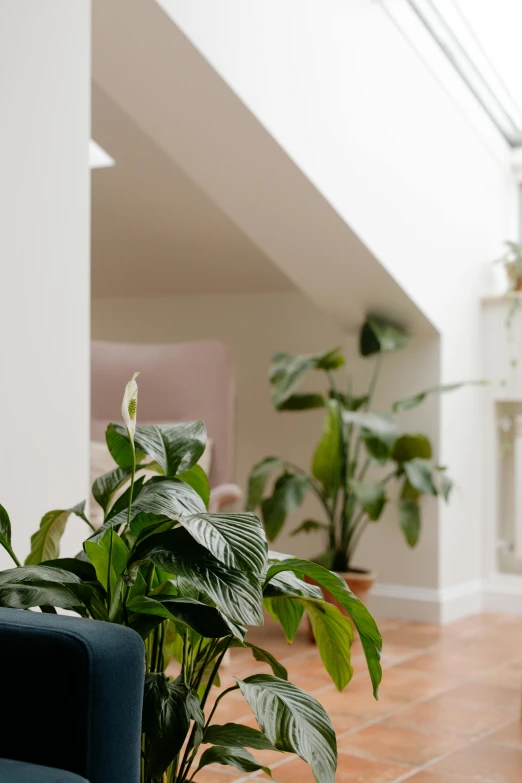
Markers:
189,583
355,442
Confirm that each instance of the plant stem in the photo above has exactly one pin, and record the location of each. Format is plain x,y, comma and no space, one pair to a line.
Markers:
314,485
214,708
345,467
186,761
184,660
150,577
375,378
357,537
109,569
13,556
131,491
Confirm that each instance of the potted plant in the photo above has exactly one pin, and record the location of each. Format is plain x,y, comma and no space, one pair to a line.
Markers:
512,262
359,457
190,583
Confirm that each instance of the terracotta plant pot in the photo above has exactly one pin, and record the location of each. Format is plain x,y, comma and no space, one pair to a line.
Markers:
358,580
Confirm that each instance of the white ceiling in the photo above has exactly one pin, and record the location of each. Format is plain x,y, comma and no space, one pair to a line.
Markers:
154,231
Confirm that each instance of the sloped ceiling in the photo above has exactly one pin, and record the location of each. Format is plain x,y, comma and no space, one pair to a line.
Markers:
154,231
158,77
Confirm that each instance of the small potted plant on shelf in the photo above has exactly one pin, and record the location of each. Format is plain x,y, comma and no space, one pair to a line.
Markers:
512,262
359,457
190,583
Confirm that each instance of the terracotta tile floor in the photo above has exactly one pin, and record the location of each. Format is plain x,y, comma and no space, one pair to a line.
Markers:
449,707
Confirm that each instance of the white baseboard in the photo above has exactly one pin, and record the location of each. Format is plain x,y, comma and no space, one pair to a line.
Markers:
429,605
502,595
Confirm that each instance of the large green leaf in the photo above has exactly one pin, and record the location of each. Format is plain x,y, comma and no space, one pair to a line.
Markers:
5,531
302,402
362,619
105,486
378,432
417,399
22,596
31,586
231,756
109,546
333,633
83,570
45,543
289,492
236,540
293,721
287,372
38,575
236,593
169,729
351,403
377,335
155,700
263,656
258,479
411,446
238,736
327,461
206,620
198,480
372,497
118,443
175,447
288,612
309,526
409,520
163,497
288,583
418,472
121,504
280,597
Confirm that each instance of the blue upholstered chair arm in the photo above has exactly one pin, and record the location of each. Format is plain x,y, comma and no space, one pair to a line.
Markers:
71,694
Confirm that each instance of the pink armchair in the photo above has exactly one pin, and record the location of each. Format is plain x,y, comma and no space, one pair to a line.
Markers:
178,382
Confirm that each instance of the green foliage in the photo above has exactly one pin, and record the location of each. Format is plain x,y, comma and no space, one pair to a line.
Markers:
330,629
360,456
190,582
293,721
327,462
237,735
409,519
45,543
289,492
5,534
378,336
361,617
287,372
233,756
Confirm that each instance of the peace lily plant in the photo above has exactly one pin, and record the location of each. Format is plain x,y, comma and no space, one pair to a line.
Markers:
190,583
358,460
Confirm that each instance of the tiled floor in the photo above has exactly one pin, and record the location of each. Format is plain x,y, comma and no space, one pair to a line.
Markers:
449,707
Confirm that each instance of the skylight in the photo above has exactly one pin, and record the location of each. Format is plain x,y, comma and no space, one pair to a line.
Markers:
98,158
482,40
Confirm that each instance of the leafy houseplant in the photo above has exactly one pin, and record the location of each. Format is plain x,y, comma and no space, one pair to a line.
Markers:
512,262
189,582
354,440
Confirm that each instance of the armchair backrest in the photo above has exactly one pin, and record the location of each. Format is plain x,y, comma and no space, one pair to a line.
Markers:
71,695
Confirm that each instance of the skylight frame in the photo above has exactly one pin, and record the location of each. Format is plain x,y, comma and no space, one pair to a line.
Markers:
459,44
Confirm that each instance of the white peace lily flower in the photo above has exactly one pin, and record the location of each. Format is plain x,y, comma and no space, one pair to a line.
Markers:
129,406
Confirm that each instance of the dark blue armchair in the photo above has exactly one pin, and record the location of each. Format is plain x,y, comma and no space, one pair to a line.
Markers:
71,697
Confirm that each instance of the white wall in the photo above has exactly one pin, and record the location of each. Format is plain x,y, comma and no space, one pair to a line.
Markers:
255,326
351,101
44,247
